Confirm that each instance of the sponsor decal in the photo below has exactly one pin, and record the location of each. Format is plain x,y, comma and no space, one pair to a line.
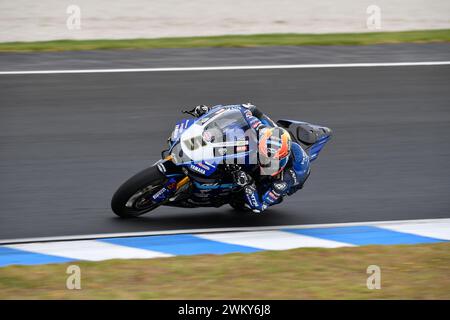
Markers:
159,193
197,169
254,201
293,175
201,165
231,143
233,107
241,142
209,185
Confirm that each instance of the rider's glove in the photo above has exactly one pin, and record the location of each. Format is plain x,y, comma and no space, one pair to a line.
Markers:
200,110
241,178
280,187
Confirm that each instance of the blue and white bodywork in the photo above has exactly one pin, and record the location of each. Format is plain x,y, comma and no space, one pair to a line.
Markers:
218,137
197,169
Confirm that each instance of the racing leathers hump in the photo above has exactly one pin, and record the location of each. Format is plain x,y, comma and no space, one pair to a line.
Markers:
290,180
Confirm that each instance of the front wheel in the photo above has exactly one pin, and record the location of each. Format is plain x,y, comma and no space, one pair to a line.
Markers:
134,196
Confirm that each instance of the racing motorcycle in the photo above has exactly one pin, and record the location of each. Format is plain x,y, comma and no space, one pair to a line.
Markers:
197,168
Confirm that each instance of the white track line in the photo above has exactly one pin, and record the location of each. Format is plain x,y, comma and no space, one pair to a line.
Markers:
215,230
88,250
225,68
438,231
272,240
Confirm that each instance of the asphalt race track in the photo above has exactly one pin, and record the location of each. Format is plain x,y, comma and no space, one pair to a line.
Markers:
201,57
67,141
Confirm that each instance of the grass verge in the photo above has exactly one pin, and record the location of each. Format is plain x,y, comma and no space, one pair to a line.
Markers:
258,40
407,272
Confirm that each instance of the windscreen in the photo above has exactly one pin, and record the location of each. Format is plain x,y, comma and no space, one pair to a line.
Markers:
221,134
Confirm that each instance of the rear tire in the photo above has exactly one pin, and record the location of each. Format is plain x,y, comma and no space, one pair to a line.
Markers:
150,177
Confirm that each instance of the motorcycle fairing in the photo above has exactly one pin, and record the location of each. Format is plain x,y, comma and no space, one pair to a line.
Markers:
204,167
196,147
212,186
312,136
317,147
180,127
166,191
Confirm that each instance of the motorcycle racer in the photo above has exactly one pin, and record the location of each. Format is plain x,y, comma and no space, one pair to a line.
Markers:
283,164
229,154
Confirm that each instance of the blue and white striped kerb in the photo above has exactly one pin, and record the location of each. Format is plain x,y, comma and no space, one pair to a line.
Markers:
222,241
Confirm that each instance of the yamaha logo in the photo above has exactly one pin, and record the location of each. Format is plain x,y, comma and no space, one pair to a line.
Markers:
197,169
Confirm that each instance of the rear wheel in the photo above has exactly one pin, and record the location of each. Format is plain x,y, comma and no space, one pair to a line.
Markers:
134,196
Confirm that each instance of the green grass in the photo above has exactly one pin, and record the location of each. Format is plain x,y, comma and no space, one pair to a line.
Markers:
407,272
425,36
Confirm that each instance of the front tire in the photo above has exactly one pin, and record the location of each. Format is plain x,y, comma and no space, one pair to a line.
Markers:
127,200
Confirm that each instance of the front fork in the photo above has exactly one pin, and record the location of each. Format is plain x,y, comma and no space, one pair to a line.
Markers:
172,186
182,182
